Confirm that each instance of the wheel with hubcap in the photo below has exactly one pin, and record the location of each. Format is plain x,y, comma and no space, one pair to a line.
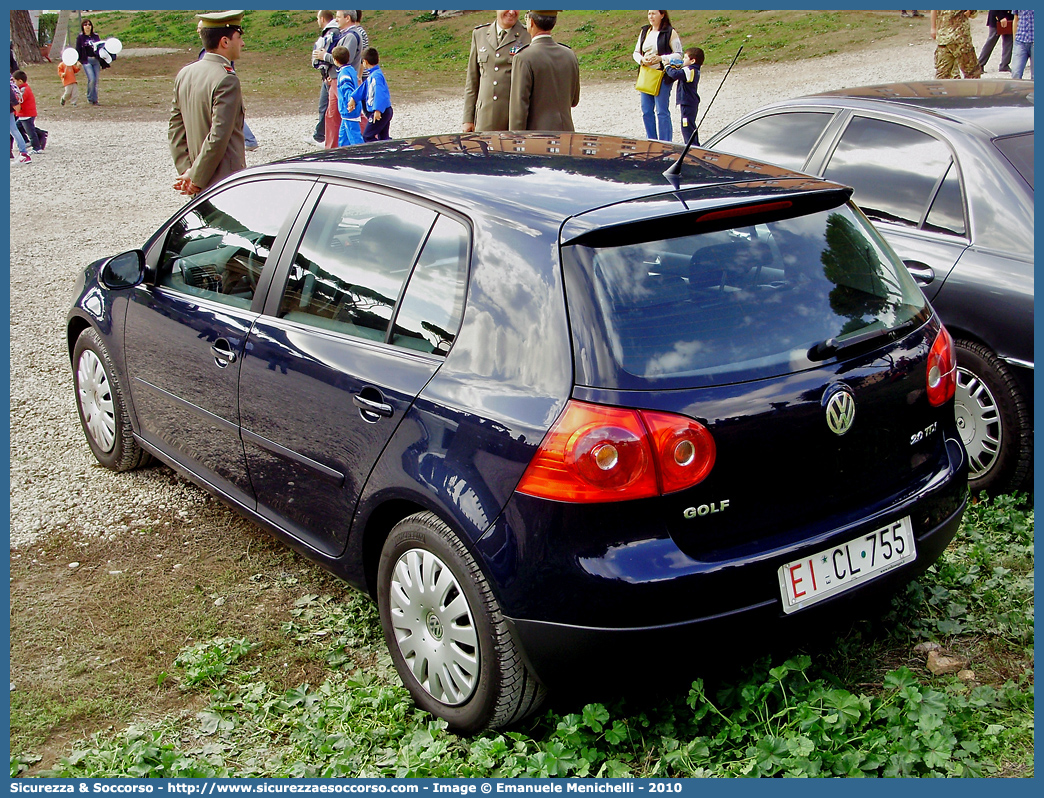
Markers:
445,631
101,405
993,419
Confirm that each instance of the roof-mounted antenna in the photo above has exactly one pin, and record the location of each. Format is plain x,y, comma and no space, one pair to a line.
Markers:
675,168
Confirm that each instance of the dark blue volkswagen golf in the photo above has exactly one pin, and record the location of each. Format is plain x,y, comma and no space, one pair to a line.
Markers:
544,403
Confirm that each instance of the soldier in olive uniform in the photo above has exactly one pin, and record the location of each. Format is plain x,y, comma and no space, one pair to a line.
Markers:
206,118
487,91
545,80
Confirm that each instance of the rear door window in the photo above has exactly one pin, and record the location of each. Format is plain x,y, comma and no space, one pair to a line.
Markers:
947,212
431,309
781,139
733,304
355,257
893,168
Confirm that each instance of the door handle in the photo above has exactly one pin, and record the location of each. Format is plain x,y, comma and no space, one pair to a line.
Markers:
922,273
369,406
223,353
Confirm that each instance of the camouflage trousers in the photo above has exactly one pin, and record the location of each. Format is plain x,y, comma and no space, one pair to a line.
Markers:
956,57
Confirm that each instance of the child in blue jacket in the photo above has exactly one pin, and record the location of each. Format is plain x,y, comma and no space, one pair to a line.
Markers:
688,78
374,97
347,83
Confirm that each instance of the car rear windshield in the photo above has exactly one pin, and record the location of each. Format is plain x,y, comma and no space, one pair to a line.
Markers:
734,304
1019,150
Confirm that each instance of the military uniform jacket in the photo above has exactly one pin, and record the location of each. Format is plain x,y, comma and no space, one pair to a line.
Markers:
487,90
206,121
545,86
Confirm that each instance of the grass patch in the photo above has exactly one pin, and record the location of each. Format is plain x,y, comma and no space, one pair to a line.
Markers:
861,704
412,43
424,57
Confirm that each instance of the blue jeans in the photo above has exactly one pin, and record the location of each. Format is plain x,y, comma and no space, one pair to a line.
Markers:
1023,53
92,70
662,117
248,137
16,134
324,99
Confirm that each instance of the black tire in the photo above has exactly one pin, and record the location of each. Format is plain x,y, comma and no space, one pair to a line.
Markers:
493,688
101,405
994,419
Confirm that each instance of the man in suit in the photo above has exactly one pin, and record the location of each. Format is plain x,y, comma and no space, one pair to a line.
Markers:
206,118
487,90
545,80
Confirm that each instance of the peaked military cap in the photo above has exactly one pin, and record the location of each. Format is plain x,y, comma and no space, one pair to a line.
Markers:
221,19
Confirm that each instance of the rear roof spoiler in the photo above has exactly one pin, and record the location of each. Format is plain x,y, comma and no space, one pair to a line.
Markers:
686,212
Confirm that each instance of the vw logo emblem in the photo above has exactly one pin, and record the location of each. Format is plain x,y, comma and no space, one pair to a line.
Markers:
840,411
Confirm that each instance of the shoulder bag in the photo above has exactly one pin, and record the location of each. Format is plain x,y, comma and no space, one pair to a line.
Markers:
649,80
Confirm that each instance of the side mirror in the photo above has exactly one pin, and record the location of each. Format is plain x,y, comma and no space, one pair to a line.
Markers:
124,271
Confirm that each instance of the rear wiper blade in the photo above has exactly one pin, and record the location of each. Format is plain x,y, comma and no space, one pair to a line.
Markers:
831,346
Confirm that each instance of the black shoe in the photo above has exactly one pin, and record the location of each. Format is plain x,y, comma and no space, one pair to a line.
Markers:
1004,69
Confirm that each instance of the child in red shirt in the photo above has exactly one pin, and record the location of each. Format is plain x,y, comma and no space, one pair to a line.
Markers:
26,114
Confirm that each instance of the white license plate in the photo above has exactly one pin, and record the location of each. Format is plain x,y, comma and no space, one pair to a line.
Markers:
831,571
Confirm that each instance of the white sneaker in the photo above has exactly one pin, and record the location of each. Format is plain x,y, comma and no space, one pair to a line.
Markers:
24,157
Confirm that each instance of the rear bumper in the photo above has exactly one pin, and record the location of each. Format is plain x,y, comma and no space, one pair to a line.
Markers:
559,653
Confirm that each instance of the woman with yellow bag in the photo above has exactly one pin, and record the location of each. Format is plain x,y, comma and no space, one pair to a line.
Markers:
657,44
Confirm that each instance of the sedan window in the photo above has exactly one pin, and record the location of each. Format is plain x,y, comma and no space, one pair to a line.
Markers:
218,249
1019,151
781,139
893,168
947,211
433,304
353,261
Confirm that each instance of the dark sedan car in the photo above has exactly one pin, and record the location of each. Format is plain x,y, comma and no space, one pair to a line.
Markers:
549,407
944,169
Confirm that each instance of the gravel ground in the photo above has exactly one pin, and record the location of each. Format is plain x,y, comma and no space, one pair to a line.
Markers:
104,187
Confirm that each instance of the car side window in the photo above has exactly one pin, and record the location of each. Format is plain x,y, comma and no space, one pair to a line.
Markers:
947,212
893,168
431,309
354,258
218,249
781,139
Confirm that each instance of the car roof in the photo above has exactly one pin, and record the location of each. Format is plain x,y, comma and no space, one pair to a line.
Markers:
997,107
525,176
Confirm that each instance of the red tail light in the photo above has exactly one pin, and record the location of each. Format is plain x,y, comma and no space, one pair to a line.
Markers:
942,369
595,453
684,449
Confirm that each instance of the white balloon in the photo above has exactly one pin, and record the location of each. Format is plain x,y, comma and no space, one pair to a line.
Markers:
113,45
69,56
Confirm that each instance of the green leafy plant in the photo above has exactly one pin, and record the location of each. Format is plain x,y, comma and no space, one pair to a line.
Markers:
208,661
834,713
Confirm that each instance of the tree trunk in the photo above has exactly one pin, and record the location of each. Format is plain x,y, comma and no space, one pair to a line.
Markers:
26,42
61,36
